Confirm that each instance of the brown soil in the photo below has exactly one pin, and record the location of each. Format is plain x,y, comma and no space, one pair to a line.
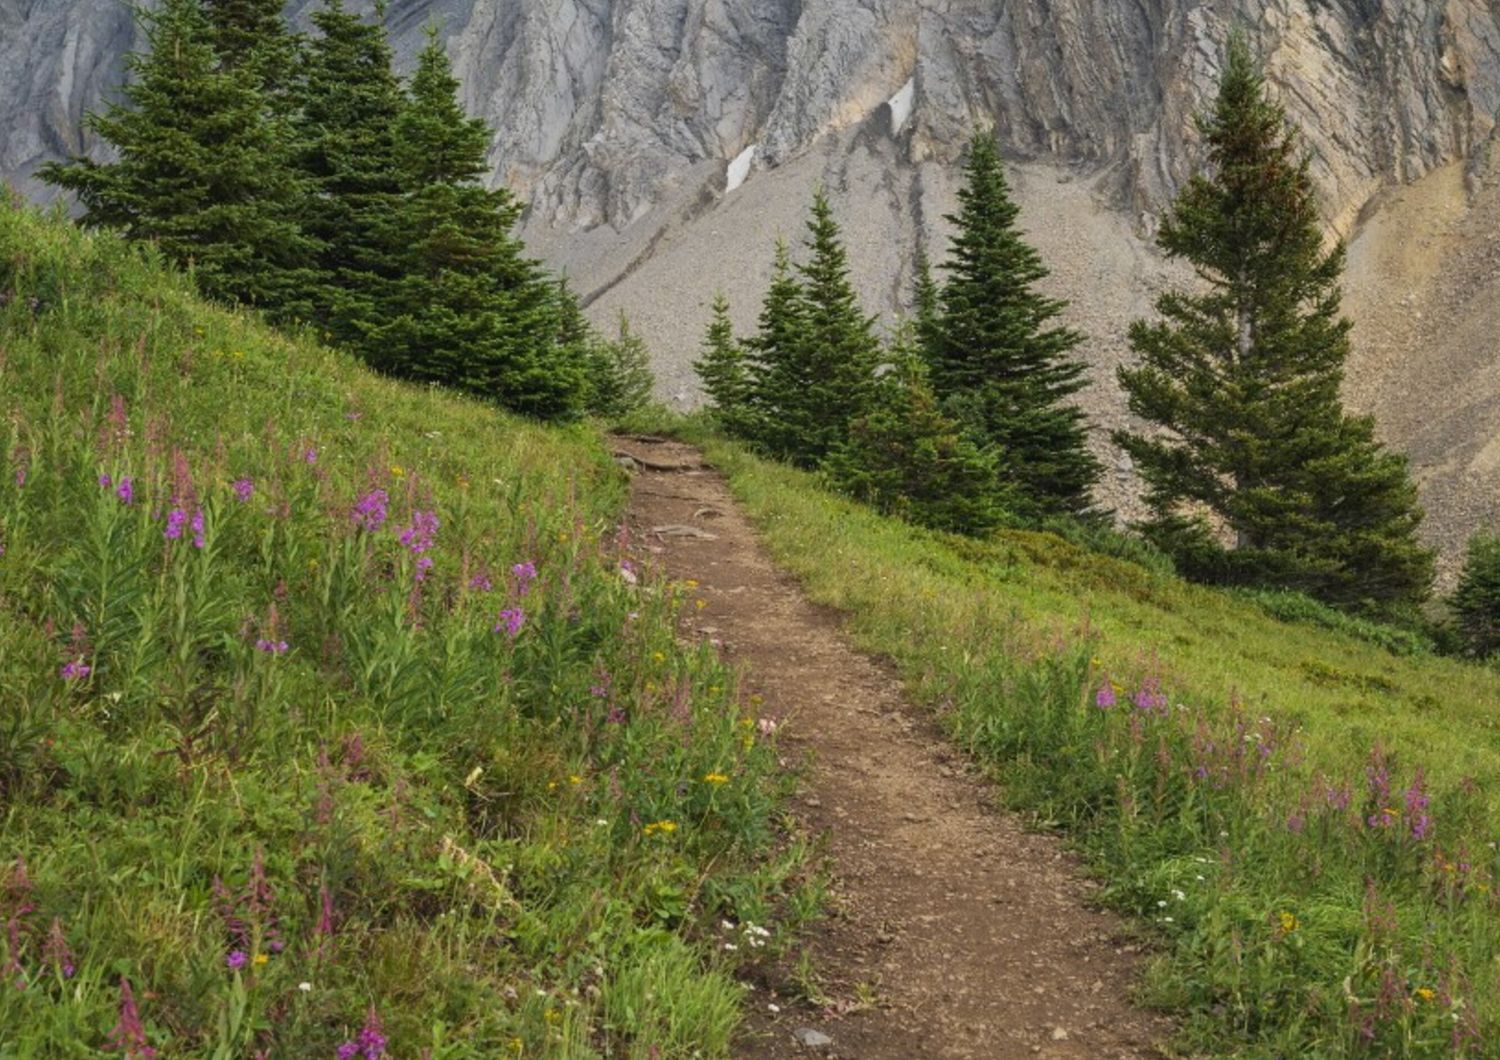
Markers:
970,936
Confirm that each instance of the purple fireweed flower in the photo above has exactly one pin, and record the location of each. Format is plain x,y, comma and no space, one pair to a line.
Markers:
310,456
511,621
129,1034
196,526
55,951
176,520
272,647
76,670
1416,801
105,482
236,960
525,574
369,1043
1295,823
126,490
244,489
481,582
370,510
418,536
1105,697
1150,697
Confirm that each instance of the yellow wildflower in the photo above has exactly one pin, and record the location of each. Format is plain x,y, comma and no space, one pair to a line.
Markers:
1426,993
259,958
665,827
575,780
657,656
691,583
397,471
1288,922
700,604
715,778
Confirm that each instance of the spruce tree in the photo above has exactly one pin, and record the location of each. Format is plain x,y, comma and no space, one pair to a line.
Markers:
204,169
839,342
722,368
1476,602
348,105
776,364
620,374
998,358
1242,376
904,457
817,349
253,35
467,309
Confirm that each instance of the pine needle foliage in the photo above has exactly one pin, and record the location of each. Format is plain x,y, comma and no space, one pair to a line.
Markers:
816,354
723,368
904,457
349,105
1000,362
204,170
1476,602
468,309
1241,379
620,373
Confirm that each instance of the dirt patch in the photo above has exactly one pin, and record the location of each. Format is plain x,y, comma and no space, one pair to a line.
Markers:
957,934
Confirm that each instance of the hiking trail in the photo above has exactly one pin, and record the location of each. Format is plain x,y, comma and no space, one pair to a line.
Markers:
975,938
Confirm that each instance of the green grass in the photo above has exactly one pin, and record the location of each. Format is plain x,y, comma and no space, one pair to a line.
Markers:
491,844
1230,810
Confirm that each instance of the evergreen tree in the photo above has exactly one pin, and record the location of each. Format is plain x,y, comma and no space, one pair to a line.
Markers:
998,359
905,458
817,349
467,308
926,303
348,107
723,370
1244,377
1476,602
253,35
204,169
621,374
775,363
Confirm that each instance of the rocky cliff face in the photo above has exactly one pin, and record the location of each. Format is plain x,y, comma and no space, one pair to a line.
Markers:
663,143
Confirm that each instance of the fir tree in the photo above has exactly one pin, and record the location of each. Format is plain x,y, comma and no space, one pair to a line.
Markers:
926,304
998,359
468,309
1476,602
204,170
1243,375
722,368
776,364
253,35
349,102
905,458
620,375
817,349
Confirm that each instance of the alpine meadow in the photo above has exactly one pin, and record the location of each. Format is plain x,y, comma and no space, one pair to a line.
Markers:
587,534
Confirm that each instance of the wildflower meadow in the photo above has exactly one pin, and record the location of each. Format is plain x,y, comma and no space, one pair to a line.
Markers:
1302,821
339,718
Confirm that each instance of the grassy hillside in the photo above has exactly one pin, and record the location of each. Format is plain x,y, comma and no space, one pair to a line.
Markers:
334,711
1306,819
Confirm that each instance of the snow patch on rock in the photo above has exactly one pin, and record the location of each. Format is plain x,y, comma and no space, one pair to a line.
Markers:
901,104
739,169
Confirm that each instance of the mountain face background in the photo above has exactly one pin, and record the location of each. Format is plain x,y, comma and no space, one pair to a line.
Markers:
663,144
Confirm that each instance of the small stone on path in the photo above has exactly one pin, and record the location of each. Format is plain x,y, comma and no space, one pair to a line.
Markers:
811,1039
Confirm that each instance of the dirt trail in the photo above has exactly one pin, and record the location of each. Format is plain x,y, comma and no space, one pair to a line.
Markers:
975,937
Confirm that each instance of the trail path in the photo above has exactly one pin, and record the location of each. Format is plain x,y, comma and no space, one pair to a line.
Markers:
976,938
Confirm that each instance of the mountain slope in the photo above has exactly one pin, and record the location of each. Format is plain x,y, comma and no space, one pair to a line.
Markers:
621,120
